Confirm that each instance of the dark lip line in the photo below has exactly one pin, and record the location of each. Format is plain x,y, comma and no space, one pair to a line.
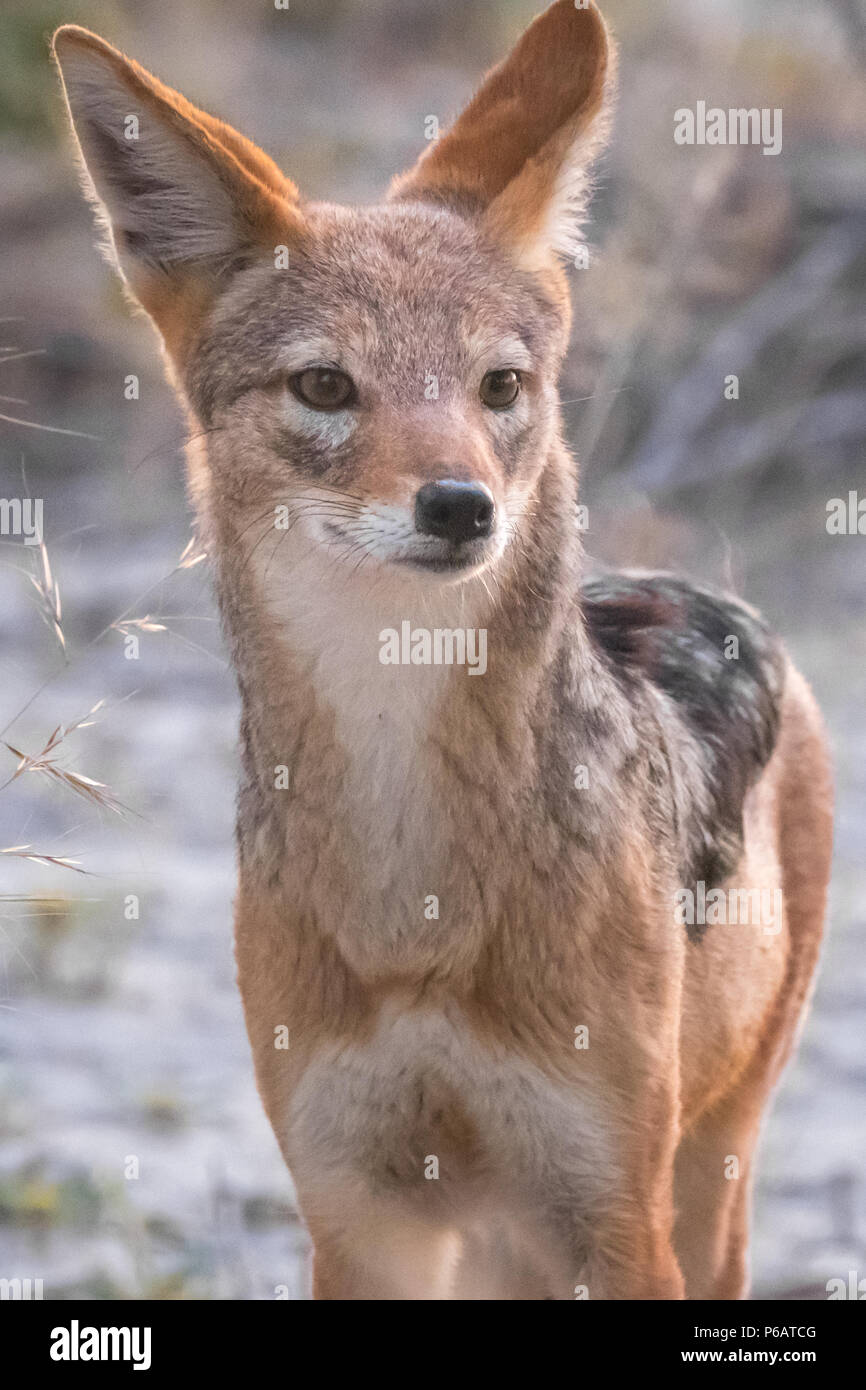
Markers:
439,566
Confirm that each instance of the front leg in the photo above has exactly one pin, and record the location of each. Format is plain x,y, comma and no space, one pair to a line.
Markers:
605,1227
624,1253
368,1250
632,1257
631,1253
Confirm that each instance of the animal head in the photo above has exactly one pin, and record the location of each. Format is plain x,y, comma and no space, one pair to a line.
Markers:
383,376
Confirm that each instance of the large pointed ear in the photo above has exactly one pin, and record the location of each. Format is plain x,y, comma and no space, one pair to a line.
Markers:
520,153
182,194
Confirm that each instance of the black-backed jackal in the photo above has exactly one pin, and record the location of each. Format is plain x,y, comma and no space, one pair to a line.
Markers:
517,1066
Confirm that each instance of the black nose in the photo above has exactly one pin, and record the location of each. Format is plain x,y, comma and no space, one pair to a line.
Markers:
455,511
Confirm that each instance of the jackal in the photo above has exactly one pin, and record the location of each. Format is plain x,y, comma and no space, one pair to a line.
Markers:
512,1070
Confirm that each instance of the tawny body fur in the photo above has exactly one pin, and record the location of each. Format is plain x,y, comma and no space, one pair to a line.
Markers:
446,1135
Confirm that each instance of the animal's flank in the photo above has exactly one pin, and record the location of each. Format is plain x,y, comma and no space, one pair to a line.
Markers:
622,621
723,668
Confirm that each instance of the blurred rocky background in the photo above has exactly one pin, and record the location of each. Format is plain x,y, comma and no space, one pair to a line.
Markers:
122,1048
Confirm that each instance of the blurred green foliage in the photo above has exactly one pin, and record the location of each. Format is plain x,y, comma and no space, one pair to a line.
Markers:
30,1198
28,104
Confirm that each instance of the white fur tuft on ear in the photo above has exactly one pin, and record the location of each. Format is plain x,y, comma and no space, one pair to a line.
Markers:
556,227
520,154
174,186
569,205
160,200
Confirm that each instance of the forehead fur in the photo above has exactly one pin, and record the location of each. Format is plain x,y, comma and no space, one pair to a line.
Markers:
396,292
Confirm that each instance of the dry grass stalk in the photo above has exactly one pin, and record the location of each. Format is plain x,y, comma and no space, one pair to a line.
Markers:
145,624
49,597
45,762
27,852
190,556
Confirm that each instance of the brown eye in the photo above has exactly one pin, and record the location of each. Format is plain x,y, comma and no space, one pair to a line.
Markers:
324,388
500,389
